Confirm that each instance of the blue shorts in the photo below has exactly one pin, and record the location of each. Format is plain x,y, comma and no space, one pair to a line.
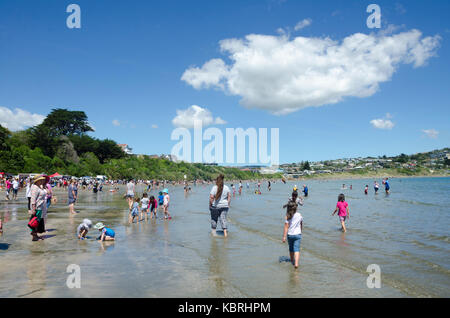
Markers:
134,213
294,242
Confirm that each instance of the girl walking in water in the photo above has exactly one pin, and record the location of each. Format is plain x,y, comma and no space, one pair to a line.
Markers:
219,203
293,227
166,201
344,212
135,211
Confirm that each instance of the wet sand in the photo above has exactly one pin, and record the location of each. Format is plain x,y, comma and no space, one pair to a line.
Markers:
180,258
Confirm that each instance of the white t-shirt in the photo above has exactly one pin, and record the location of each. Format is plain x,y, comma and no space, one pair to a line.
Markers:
15,184
166,200
223,201
130,187
295,224
145,202
28,191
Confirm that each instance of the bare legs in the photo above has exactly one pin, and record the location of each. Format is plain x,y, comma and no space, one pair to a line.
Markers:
343,229
295,257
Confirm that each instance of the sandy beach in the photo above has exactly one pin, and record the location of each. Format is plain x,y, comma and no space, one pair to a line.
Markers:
180,258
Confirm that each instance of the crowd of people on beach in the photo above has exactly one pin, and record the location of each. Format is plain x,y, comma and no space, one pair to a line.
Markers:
39,192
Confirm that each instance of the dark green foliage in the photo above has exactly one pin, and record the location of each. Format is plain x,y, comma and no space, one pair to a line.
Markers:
60,147
306,166
104,149
402,158
66,122
5,134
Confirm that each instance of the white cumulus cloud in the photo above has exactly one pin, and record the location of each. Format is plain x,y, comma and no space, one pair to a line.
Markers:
18,119
210,74
431,133
116,123
382,124
302,24
282,75
186,118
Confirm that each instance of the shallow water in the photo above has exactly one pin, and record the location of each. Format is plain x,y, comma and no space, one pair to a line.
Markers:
406,233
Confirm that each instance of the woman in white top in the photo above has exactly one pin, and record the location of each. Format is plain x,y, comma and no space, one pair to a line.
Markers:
219,203
130,193
293,227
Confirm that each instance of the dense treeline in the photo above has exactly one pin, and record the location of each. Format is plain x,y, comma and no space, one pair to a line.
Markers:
61,144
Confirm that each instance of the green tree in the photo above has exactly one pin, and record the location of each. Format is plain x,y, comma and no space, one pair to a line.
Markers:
40,137
402,158
306,166
108,149
5,134
65,122
11,161
84,143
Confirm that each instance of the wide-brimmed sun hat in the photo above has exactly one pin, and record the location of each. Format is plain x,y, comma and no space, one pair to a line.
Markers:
41,177
166,191
88,222
99,226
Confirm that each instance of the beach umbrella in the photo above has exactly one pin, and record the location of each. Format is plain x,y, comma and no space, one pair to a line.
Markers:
55,175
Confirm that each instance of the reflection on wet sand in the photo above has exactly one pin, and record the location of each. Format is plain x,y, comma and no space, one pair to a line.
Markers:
217,265
36,276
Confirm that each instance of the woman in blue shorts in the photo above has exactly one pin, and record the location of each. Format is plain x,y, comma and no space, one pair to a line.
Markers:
293,231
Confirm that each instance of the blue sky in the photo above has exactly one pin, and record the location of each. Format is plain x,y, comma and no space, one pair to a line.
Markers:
127,61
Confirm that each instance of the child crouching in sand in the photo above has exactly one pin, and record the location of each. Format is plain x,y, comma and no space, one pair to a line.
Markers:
83,229
107,234
344,212
293,227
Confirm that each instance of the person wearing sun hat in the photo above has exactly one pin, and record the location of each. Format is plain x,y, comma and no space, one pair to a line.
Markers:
166,204
83,229
107,233
38,200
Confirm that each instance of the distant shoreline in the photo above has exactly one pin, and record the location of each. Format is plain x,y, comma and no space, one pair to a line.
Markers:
346,176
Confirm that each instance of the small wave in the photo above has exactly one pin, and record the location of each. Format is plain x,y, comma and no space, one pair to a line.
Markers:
442,238
418,203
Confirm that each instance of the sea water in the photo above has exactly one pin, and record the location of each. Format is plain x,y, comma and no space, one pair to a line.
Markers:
405,233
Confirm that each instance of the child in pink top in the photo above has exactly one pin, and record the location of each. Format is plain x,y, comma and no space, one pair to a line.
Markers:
343,213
